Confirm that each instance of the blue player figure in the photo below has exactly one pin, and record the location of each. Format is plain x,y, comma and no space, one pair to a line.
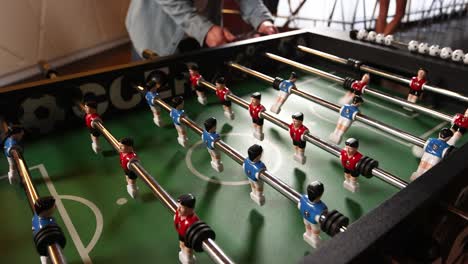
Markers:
153,85
311,208
435,150
284,92
209,137
176,113
44,208
348,113
13,138
253,166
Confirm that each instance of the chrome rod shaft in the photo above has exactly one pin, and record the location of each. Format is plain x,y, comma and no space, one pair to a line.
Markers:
385,74
54,250
55,254
304,67
215,252
267,177
332,149
362,118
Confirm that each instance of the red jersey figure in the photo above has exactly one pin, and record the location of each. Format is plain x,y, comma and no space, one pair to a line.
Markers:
194,78
90,116
126,156
459,127
255,109
350,157
297,131
416,85
222,92
357,88
184,217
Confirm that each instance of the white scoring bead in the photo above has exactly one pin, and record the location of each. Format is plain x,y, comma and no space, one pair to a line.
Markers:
446,53
388,40
413,45
423,48
380,38
457,55
434,50
371,36
362,34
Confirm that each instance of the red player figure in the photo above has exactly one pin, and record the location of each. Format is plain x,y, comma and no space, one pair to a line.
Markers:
222,92
285,88
177,113
350,156
90,116
357,88
435,150
184,217
347,115
459,127
194,78
127,154
416,85
255,108
297,131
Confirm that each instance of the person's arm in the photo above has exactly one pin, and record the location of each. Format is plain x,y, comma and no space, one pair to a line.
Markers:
185,15
255,13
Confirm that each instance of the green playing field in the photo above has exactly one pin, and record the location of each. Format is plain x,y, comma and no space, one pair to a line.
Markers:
104,225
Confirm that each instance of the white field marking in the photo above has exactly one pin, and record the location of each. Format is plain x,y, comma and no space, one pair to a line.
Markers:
413,115
188,161
432,130
97,214
64,214
358,124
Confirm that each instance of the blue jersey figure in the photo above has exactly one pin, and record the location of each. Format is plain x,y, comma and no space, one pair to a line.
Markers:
311,208
285,88
253,166
436,147
176,113
150,96
9,143
42,223
435,150
347,115
153,83
12,140
349,111
209,137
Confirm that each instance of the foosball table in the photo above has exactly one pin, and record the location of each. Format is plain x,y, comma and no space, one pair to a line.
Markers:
288,153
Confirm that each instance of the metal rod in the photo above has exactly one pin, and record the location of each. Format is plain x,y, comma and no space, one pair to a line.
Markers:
54,250
359,117
332,149
385,74
301,66
213,250
267,177
55,254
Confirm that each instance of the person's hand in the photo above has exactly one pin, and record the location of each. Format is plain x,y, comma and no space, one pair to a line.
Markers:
218,36
267,28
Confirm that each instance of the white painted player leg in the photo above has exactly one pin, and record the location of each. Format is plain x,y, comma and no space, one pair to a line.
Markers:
44,260
186,255
12,173
132,190
336,136
258,132
217,165
157,116
453,140
412,99
201,97
299,156
346,99
311,236
95,144
228,113
182,138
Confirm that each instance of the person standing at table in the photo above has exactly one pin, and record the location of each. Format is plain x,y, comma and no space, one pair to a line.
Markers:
171,26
